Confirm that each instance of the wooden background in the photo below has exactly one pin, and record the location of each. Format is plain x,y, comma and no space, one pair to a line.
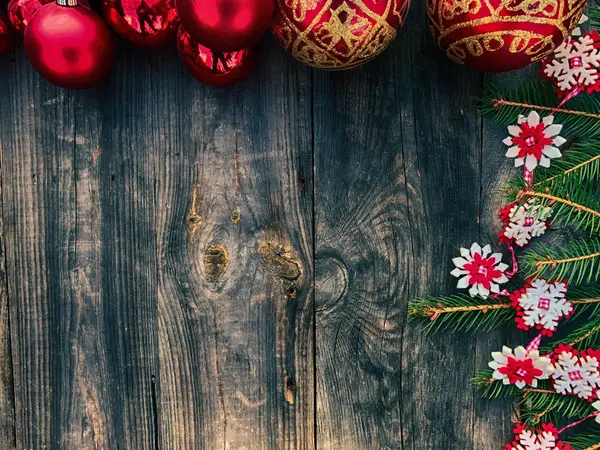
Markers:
191,268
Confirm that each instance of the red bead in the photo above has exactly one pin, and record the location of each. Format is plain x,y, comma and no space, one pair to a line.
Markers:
146,23
6,34
226,25
70,46
500,36
215,68
337,34
20,12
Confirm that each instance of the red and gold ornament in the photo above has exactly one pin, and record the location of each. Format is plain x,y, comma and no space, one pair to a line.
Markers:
337,34
6,34
226,25
69,45
146,23
215,68
499,35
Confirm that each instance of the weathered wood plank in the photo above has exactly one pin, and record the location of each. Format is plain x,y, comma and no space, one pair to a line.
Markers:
235,273
363,256
443,173
78,205
7,405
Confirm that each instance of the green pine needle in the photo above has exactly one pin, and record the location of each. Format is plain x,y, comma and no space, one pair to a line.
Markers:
587,440
577,263
461,312
541,96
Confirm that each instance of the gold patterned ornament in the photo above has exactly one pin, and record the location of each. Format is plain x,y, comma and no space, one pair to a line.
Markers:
337,34
501,35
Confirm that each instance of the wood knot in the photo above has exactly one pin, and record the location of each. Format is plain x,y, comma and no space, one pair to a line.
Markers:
279,260
216,262
290,390
236,216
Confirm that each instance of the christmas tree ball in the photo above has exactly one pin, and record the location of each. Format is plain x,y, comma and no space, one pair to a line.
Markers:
501,35
337,34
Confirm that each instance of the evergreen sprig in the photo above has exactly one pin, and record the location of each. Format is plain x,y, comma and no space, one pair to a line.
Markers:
460,312
586,441
581,118
578,262
544,404
490,388
583,337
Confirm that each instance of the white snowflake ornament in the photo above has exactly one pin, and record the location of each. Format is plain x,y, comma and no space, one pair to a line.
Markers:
521,368
526,221
545,438
574,64
596,406
576,374
480,269
541,304
532,142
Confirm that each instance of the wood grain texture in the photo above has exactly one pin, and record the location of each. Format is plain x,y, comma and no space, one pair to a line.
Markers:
195,268
235,247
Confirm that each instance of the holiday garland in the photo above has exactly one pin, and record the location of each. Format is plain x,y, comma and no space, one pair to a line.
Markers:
551,287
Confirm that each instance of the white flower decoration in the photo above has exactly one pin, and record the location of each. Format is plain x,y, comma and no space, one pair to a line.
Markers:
520,368
480,270
533,142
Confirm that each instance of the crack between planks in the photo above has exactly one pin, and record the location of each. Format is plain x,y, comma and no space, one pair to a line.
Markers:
314,257
154,411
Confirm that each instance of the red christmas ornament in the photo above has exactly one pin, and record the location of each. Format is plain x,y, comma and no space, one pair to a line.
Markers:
147,23
500,36
226,25
337,34
20,12
70,46
6,34
215,68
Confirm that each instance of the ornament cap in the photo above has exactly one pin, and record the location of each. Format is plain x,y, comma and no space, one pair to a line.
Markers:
67,2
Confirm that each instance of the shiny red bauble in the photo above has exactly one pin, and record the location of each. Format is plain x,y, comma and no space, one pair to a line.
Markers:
337,34
215,68
70,46
146,23
20,12
226,25
500,35
6,34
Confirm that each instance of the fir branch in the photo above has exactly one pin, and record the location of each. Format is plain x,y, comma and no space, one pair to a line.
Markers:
543,405
490,388
583,337
460,312
585,299
579,165
581,119
589,440
577,263
465,313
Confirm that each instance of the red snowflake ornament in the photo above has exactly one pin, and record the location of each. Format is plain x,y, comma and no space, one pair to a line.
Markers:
523,222
576,372
575,65
544,438
541,304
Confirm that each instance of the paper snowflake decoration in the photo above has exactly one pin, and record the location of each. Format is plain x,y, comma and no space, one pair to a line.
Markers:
596,406
479,269
541,305
576,372
532,142
524,222
574,64
545,438
521,368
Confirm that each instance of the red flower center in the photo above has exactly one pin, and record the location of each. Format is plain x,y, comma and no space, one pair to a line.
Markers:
520,370
531,140
482,270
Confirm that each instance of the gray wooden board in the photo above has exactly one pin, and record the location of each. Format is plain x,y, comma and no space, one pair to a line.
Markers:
183,267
